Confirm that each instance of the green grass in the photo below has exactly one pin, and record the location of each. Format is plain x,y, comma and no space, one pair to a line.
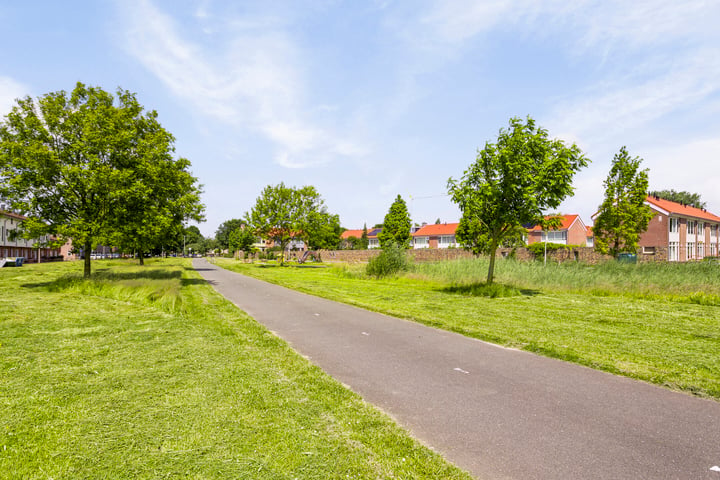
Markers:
658,323
146,372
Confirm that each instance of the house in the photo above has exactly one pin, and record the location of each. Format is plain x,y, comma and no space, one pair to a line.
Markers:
439,235
373,241
687,232
590,237
572,231
15,246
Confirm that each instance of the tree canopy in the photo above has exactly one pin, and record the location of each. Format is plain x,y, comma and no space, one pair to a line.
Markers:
623,215
284,213
683,197
511,183
95,168
222,234
396,226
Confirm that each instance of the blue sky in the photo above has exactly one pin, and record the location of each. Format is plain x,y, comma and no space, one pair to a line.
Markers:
368,100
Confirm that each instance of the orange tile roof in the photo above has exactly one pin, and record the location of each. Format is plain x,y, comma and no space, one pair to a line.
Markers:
13,215
351,233
680,209
589,231
436,229
567,221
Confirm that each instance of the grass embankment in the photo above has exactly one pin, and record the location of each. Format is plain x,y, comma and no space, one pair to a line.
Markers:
659,323
146,372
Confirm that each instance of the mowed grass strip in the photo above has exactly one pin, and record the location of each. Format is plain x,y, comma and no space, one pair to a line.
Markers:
146,372
625,327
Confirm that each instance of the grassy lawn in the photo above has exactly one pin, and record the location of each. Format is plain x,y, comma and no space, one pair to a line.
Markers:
658,323
146,372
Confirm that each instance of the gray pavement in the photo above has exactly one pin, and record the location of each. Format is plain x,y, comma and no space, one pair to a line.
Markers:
498,413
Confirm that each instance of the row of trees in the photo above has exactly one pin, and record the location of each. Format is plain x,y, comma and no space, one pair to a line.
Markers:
96,168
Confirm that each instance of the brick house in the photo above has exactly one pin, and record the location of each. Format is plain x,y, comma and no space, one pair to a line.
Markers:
439,235
688,233
572,231
11,246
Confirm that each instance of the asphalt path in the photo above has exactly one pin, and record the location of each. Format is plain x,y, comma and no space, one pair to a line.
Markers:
498,413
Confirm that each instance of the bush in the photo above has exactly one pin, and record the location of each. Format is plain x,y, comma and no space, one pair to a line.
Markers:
538,249
392,259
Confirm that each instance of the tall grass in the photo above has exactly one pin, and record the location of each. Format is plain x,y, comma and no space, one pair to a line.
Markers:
156,286
692,282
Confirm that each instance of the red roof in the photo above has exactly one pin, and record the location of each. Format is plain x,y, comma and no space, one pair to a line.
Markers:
680,209
567,221
13,215
351,233
589,231
436,229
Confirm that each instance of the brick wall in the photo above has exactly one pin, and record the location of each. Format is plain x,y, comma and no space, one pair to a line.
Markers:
656,233
575,254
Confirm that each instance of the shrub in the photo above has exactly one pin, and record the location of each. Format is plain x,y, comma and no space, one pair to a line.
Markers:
538,249
392,259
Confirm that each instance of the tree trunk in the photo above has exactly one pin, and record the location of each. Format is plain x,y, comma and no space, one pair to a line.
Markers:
86,248
141,258
491,268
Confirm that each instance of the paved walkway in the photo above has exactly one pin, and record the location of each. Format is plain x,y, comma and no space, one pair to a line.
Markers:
496,412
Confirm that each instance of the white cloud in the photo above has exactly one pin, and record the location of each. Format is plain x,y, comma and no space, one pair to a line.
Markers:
10,90
608,109
254,80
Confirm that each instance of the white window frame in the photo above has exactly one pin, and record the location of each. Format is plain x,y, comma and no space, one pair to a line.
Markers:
674,225
554,236
421,242
673,251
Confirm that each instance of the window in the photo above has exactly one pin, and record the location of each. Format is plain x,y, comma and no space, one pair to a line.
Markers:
554,236
700,250
421,242
701,229
673,251
648,250
713,250
447,240
690,251
691,227
674,225
713,231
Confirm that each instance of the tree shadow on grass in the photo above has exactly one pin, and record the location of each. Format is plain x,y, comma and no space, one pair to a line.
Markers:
107,275
494,290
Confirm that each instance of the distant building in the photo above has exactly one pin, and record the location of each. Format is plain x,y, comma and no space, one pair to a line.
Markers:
687,232
572,231
14,246
439,235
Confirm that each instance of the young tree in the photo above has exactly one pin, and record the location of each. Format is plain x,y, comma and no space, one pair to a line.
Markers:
396,226
75,164
364,241
683,197
623,215
283,213
511,183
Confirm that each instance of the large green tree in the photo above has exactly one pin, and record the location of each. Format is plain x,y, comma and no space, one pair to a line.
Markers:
396,225
242,238
623,215
284,213
78,165
158,198
683,197
511,183
323,230
222,234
